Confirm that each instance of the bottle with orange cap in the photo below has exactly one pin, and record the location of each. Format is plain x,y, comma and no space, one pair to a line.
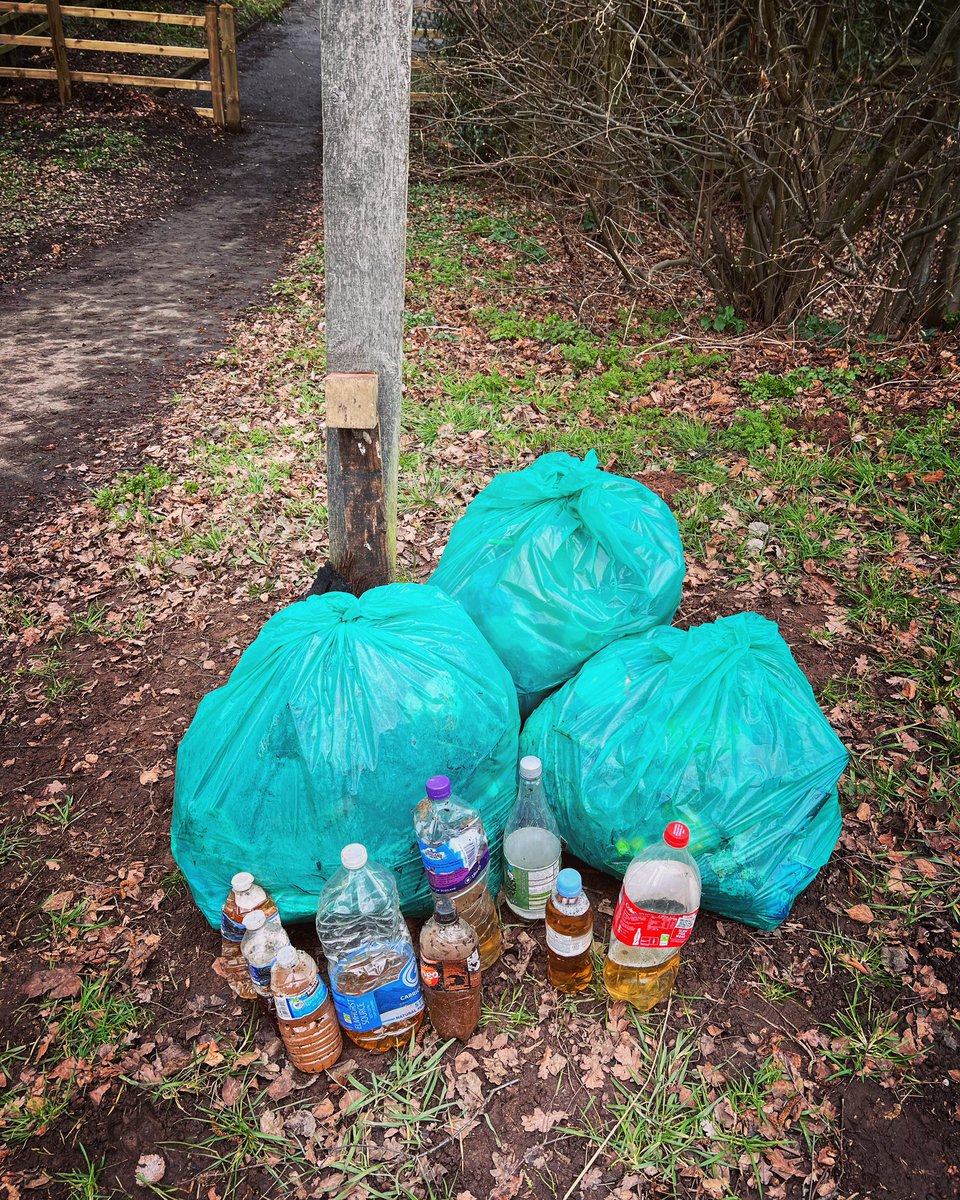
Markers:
658,906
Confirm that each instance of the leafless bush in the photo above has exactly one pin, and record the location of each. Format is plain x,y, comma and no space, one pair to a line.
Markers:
795,148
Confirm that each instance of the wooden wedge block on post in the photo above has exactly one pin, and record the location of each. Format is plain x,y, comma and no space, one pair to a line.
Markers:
352,419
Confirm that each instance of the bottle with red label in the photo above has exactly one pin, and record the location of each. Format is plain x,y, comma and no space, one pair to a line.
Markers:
450,970
658,906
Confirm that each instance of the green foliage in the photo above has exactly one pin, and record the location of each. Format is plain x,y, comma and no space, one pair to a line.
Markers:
132,493
837,380
752,430
724,320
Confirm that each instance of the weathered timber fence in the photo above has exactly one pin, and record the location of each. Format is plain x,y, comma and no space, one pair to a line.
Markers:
218,25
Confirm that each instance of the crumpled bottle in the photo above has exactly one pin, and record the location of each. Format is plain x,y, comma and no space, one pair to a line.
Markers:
373,969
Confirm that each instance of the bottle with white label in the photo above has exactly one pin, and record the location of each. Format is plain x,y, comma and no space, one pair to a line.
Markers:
456,857
261,942
531,846
658,905
569,934
450,967
305,1012
244,896
373,969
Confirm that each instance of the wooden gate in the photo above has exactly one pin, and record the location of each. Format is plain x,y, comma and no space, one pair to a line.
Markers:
219,31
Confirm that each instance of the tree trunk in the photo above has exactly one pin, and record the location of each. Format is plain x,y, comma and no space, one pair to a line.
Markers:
365,72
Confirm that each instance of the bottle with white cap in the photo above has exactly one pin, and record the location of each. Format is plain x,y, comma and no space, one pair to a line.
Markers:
244,896
261,943
373,969
658,906
531,846
305,1012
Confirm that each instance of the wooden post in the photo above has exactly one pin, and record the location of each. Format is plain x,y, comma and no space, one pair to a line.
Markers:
59,50
228,60
216,74
365,74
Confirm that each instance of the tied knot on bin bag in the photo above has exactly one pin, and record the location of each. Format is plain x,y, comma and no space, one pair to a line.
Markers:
556,561
319,739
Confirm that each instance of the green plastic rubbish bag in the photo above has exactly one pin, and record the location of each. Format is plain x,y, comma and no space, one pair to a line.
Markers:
715,726
325,734
555,561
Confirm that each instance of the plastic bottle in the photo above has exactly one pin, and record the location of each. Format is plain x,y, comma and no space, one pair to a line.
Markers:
244,896
658,906
450,967
305,1012
569,934
261,943
373,969
456,857
531,846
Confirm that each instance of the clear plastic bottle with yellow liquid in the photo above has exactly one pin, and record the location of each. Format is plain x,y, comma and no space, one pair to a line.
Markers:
456,857
658,906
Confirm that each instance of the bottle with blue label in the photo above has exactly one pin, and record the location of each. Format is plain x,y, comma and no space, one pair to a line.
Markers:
305,1012
374,978
456,857
262,941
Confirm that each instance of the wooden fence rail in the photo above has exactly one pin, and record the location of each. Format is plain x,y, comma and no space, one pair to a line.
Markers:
218,25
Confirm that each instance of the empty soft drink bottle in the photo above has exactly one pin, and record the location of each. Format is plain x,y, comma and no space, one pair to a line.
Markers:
450,965
658,906
531,846
244,896
261,943
373,969
569,921
305,1012
456,857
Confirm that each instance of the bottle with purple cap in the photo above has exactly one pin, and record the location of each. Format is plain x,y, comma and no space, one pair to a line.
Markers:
456,857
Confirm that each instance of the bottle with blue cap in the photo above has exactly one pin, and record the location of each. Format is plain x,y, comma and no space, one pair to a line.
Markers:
569,919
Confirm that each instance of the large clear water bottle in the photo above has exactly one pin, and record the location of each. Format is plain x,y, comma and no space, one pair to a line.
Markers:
658,905
373,969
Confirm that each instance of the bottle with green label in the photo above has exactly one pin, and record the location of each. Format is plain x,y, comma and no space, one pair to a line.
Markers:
531,846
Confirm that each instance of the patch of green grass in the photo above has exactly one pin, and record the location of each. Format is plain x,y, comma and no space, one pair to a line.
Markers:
14,842
97,1016
132,493
666,1122
509,1012
751,430
772,989
26,1117
47,674
861,960
864,1041
83,1183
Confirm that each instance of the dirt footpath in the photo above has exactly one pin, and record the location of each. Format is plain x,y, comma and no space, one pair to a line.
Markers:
84,351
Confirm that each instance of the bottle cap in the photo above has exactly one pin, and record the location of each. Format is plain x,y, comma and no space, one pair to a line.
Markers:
676,834
444,910
530,767
438,787
242,881
255,919
569,883
286,955
354,856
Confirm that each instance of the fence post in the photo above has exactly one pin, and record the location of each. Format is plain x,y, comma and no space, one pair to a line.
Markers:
216,73
228,58
59,50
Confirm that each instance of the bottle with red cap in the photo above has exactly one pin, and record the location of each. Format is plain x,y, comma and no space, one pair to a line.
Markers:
658,906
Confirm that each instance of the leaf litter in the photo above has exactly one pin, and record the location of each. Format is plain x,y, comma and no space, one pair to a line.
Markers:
123,606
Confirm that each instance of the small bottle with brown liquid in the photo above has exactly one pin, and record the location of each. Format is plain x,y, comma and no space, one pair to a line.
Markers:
305,1012
456,857
244,896
450,970
569,934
